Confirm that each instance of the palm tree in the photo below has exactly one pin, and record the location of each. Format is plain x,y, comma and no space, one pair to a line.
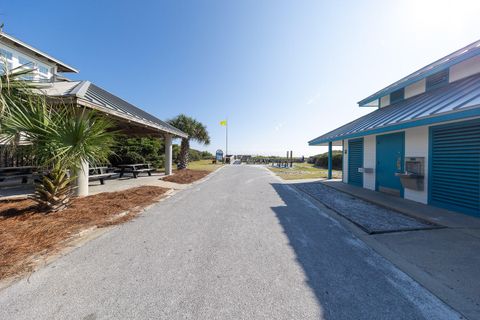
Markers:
196,131
63,137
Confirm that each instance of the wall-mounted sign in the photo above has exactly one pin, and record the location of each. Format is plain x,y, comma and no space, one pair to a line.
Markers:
219,155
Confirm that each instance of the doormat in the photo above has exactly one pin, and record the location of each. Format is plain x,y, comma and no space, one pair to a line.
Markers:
370,217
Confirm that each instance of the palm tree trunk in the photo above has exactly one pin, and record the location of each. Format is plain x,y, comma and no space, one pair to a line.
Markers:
184,147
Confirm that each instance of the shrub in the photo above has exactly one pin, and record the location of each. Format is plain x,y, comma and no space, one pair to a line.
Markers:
139,150
149,150
194,155
205,155
132,157
321,160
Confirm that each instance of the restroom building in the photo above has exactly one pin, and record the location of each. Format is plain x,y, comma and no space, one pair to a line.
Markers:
422,142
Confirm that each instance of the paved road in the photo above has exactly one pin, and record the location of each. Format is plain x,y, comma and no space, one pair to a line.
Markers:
241,245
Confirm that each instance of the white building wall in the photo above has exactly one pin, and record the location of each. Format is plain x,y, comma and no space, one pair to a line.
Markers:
369,161
416,145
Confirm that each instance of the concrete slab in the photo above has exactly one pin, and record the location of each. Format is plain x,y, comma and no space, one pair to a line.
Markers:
125,183
17,192
111,185
449,257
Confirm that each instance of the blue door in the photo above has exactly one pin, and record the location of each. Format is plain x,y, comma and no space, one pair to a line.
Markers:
455,167
355,161
390,155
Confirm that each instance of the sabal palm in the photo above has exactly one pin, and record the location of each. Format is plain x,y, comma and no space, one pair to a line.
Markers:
196,131
63,136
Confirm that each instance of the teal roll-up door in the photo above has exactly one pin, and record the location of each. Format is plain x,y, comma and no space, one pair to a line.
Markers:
455,167
355,161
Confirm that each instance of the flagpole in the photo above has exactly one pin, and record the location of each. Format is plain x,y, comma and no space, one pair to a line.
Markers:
226,138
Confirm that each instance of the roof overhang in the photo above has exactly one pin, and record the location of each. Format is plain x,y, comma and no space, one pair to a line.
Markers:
466,114
84,93
455,101
61,66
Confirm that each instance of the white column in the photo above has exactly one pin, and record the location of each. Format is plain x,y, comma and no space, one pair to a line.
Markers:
81,189
168,154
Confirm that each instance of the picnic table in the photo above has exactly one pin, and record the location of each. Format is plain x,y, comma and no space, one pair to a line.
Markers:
99,173
135,169
23,173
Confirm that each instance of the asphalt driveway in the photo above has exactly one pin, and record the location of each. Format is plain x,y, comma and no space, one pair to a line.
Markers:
241,245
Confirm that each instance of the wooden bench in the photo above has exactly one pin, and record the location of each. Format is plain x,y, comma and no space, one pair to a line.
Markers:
99,173
135,169
14,173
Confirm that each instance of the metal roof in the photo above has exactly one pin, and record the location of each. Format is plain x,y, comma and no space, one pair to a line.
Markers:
85,91
62,67
458,56
457,100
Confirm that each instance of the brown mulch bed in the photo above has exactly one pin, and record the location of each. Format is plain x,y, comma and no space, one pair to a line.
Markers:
186,176
27,234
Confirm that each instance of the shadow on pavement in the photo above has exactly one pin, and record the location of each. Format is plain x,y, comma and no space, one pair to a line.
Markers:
347,278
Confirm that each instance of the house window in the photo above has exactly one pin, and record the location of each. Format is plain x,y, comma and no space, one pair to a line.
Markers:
43,69
437,80
6,54
397,95
2,66
25,62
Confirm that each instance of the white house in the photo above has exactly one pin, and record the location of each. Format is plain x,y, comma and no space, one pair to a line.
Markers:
129,118
422,142
19,54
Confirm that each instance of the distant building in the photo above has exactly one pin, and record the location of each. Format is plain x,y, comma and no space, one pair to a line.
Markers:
423,140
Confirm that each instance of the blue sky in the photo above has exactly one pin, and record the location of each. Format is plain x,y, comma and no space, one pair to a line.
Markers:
283,72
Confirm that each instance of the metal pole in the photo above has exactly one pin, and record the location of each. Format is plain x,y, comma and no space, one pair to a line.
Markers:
226,138
343,160
330,160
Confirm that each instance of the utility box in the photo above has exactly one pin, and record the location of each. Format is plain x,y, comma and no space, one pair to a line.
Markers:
414,175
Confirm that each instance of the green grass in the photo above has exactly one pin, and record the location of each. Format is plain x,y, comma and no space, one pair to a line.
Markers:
204,165
303,171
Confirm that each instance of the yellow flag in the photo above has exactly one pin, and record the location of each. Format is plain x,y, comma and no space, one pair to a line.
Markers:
223,123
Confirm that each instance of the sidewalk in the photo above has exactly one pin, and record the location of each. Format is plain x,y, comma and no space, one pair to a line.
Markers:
446,261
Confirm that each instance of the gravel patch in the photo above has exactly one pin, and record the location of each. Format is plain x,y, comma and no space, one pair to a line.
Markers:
368,216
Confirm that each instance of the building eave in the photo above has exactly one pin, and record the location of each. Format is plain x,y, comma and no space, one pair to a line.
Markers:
82,92
454,101
472,113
